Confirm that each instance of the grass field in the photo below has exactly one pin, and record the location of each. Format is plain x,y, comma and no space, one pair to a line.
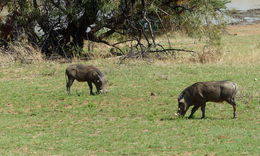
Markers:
39,118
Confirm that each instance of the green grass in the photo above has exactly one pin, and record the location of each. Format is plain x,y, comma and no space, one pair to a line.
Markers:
39,118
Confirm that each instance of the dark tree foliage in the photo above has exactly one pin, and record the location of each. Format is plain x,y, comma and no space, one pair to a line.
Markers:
61,26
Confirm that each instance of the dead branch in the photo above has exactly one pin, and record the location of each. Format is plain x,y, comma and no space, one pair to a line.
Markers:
172,49
150,28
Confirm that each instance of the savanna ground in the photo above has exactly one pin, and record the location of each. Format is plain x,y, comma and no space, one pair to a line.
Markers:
137,116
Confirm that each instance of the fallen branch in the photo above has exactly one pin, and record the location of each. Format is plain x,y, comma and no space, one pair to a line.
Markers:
172,49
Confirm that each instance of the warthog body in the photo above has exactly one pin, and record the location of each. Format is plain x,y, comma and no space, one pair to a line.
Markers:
199,93
85,73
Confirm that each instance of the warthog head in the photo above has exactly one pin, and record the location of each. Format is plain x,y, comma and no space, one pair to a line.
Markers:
182,107
101,85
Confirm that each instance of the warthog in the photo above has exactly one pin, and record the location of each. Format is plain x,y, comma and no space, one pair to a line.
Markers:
83,73
199,93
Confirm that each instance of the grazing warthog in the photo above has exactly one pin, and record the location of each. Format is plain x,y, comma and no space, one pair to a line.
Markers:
199,93
83,73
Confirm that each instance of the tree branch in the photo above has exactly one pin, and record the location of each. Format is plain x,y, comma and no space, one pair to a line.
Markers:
172,49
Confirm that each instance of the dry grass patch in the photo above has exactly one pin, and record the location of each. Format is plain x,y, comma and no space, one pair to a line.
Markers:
20,53
244,30
208,55
253,58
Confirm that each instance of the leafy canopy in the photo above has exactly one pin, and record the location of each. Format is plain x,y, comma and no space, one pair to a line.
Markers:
63,25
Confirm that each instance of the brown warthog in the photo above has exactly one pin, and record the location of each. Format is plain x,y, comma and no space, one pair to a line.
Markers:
199,93
83,73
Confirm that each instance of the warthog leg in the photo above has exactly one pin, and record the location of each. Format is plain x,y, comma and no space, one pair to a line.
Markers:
69,83
233,103
202,107
194,109
91,88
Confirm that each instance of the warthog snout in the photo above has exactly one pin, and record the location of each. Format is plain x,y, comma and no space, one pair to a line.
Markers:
177,114
104,91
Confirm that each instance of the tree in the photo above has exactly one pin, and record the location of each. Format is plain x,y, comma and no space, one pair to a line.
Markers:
63,25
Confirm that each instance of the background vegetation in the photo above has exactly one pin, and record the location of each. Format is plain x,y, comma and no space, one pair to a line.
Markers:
62,26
